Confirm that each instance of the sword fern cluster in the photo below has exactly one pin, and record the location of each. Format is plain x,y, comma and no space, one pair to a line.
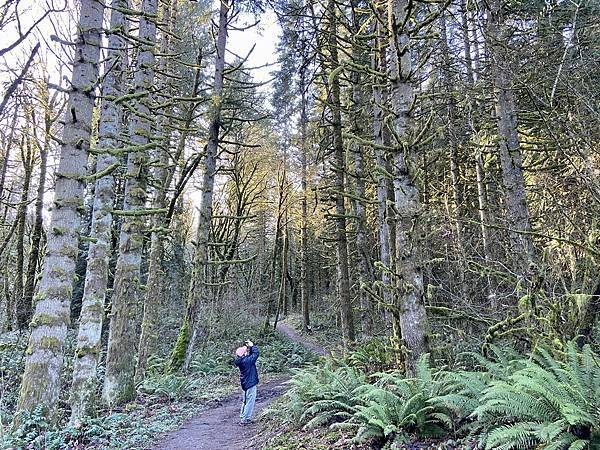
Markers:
505,401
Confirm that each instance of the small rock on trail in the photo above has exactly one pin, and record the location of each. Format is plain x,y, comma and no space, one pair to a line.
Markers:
217,428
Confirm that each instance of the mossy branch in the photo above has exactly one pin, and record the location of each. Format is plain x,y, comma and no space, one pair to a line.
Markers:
107,171
139,212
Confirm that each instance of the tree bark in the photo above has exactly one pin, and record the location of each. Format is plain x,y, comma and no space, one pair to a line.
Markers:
23,310
125,313
382,170
358,150
6,153
42,376
36,235
509,148
339,169
409,273
87,352
163,173
182,353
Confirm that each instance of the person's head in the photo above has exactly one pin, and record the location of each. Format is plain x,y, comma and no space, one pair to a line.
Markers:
241,351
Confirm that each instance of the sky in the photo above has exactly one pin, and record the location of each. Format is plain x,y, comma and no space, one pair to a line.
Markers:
263,37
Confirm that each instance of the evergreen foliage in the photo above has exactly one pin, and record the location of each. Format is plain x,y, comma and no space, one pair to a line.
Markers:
506,401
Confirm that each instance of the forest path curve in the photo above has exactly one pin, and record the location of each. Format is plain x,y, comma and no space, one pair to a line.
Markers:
294,336
217,428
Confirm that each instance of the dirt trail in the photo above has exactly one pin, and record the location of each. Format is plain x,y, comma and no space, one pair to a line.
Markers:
294,336
217,428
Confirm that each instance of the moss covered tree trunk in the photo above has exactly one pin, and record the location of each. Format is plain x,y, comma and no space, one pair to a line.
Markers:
410,305
382,168
182,353
360,210
509,149
304,290
339,169
163,174
125,312
36,234
45,354
87,353
23,310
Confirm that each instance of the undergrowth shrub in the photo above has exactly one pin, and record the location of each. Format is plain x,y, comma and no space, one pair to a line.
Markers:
321,395
375,355
394,407
169,386
550,403
504,400
279,353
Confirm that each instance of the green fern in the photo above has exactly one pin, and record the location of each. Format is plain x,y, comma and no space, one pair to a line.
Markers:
549,402
323,395
397,406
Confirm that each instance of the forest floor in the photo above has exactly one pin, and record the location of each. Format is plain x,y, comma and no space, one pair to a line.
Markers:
217,427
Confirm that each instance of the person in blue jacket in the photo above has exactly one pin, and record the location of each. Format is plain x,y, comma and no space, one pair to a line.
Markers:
245,360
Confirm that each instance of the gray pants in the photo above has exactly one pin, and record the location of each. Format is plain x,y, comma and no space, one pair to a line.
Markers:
248,400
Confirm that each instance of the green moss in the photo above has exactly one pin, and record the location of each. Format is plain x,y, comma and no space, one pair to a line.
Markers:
58,272
45,319
50,343
86,350
178,354
59,231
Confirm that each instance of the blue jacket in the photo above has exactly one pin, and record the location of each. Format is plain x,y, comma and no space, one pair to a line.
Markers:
247,366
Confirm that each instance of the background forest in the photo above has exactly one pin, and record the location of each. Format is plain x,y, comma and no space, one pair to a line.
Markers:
412,184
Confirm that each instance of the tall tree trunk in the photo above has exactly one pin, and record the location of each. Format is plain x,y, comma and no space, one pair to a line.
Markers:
36,235
304,292
382,169
466,42
163,173
357,149
456,139
409,273
281,298
42,376
23,311
509,149
272,305
123,332
182,353
87,353
343,281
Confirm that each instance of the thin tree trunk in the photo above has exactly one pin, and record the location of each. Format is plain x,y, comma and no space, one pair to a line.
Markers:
382,169
281,298
409,273
41,381
343,281
304,221
509,148
466,42
125,313
272,305
87,353
455,140
23,311
362,245
36,235
182,353
6,153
